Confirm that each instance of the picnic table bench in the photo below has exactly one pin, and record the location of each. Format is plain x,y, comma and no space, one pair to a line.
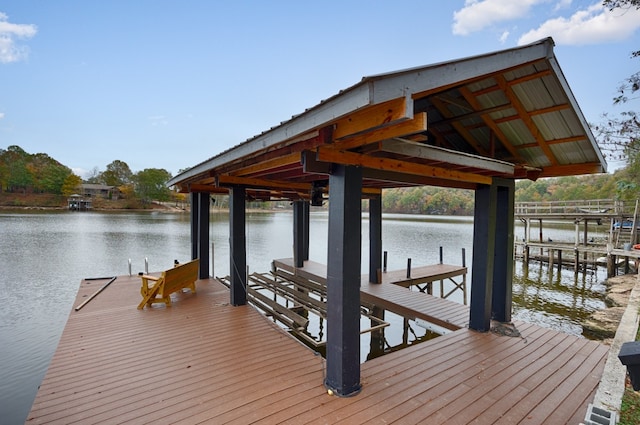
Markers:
159,289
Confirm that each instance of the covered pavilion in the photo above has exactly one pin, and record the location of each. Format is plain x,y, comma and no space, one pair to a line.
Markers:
476,123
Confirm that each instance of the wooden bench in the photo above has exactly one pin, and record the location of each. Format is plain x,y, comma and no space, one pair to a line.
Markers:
159,289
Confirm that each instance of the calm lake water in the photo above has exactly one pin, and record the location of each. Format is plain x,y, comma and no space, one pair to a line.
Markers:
45,255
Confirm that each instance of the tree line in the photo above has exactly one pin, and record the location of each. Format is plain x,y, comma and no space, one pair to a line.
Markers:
22,172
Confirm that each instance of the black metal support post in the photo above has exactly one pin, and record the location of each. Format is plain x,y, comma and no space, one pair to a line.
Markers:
195,209
343,281
298,233
375,239
306,211
203,235
238,246
503,257
484,227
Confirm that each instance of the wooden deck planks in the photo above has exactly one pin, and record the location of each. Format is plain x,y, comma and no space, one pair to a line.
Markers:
203,361
413,304
423,274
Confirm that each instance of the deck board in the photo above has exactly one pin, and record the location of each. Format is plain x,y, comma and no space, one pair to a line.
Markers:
204,361
398,299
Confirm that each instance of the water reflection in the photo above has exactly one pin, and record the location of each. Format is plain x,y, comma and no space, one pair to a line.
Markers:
557,299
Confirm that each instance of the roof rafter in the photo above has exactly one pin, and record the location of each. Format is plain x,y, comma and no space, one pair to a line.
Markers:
457,125
526,119
484,115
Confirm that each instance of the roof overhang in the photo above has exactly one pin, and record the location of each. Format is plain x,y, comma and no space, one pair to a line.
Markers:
508,114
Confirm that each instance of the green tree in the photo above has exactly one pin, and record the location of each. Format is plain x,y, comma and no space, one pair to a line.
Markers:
117,173
48,175
71,185
151,185
15,175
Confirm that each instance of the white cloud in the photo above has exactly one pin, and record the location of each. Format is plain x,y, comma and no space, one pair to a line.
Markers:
1,115
10,51
562,4
504,36
81,172
158,120
479,14
593,25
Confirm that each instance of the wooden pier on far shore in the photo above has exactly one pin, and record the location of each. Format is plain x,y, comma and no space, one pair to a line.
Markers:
204,361
584,252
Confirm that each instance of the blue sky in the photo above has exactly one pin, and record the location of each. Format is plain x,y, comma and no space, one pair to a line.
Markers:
168,84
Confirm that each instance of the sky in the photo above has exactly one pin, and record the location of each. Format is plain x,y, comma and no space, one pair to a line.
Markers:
168,84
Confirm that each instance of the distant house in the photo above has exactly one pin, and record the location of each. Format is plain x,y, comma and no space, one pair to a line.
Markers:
100,191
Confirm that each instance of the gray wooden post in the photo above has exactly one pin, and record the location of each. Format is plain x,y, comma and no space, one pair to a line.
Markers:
375,239
343,281
237,246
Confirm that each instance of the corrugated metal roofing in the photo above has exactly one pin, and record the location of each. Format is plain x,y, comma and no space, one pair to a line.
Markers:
514,105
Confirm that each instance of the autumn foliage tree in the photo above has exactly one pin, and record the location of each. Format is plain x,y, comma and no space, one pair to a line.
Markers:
31,173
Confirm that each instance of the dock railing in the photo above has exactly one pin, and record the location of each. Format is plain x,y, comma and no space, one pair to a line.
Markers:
611,207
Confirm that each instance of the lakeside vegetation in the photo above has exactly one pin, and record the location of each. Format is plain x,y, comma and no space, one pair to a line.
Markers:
38,180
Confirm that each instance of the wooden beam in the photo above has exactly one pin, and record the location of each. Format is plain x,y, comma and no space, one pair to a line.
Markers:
403,128
292,158
370,117
312,165
550,109
572,170
371,191
554,142
461,129
196,187
326,154
419,150
225,180
489,122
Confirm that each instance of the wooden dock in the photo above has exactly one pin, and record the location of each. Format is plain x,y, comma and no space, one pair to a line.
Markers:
204,361
397,298
585,253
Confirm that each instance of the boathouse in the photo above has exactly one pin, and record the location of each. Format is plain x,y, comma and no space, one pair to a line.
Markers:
477,123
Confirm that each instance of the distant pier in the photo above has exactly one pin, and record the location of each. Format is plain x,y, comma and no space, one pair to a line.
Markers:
583,252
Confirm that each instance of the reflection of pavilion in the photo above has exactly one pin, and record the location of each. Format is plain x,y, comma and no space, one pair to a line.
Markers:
78,203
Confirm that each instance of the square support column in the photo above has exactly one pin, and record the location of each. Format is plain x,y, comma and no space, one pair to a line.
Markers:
300,232
484,228
343,281
492,279
195,210
503,263
306,212
237,246
203,235
375,239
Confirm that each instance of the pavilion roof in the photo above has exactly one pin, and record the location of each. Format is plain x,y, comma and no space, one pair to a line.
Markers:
507,114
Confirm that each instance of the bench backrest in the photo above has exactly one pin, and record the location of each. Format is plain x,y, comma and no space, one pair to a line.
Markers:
180,276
